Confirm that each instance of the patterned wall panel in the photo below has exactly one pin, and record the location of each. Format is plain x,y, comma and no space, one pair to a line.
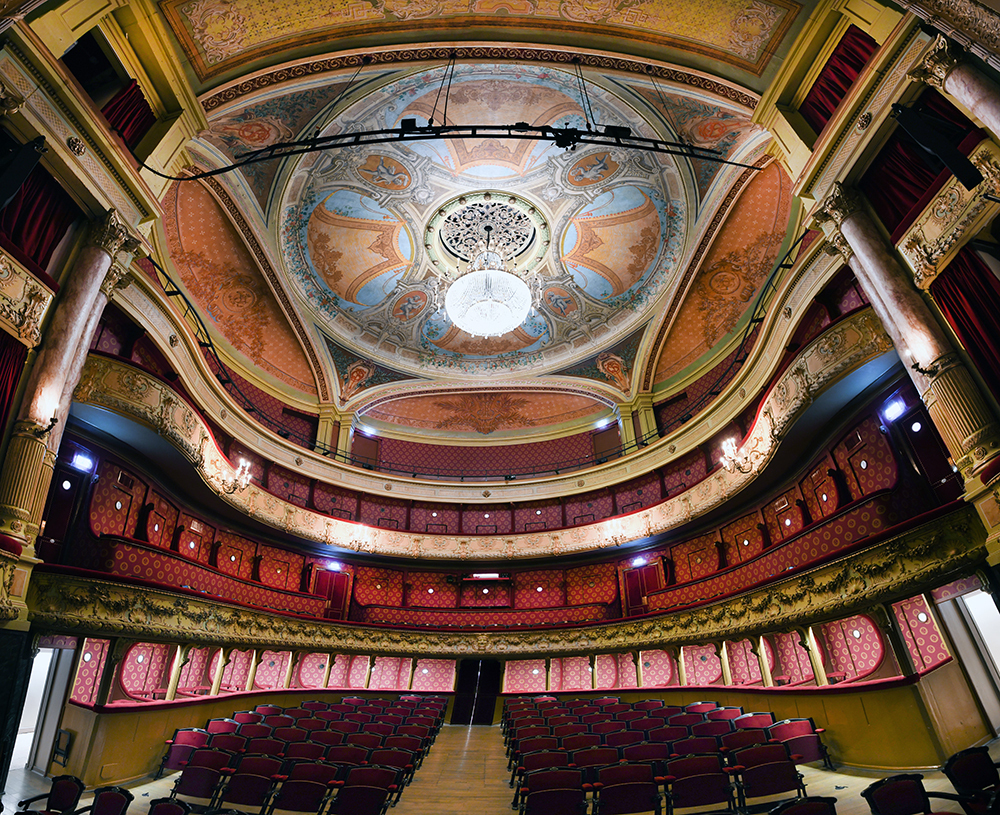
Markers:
288,485
597,583
695,558
377,510
639,492
431,590
311,670
195,539
588,507
702,665
235,555
280,568
575,673
527,585
791,660
626,671
116,501
145,668
743,664
271,670
783,517
743,540
434,675
538,515
357,672
680,474
61,641
853,646
389,673
555,674
657,669
483,617
234,676
956,588
441,519
340,672
494,459
195,674
920,633
335,501
606,668
524,676
381,587
90,668
482,595
487,520
865,459
161,521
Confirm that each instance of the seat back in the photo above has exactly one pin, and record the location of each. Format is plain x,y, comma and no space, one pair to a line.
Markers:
290,733
259,765
198,782
370,741
300,796
233,742
312,724
761,754
595,757
111,801
246,717
667,734
211,757
624,773
646,752
411,743
712,728
552,779
630,715
380,728
347,754
255,730
265,746
64,794
972,770
314,705
686,719
608,727
345,727
279,720
701,707
168,806
623,738
810,805
688,766
555,801
580,741
648,704
317,771
645,724
194,736
773,778
372,776
306,749
724,713
754,720
360,800
267,710
695,744
245,789
222,726
739,739
543,759
788,728
568,729
391,757
898,795
327,737
298,712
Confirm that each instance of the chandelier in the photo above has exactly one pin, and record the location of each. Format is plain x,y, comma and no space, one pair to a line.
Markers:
488,301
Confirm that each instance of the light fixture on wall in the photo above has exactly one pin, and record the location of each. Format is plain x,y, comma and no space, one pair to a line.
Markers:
488,301
240,480
738,460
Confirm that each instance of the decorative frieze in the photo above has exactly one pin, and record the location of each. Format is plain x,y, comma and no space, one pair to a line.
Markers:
895,568
23,301
127,390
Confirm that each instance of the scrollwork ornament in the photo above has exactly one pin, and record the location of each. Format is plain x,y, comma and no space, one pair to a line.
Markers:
77,146
841,204
117,278
11,102
940,61
111,234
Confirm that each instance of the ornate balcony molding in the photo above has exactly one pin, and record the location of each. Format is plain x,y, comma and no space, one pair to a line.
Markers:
122,388
23,301
895,568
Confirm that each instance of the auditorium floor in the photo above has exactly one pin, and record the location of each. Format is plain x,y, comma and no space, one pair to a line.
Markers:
466,774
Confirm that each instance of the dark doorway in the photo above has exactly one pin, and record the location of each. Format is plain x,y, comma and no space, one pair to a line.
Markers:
476,691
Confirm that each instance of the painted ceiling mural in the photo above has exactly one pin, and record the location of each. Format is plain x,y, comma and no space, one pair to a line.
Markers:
224,35
484,413
365,230
218,270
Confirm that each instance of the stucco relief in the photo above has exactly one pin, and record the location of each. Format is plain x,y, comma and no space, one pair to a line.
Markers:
898,567
107,383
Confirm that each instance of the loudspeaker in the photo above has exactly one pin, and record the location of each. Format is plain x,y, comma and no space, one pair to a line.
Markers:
16,166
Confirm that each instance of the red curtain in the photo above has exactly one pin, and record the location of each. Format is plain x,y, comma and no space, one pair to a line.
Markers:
130,114
838,75
35,220
968,294
904,177
12,357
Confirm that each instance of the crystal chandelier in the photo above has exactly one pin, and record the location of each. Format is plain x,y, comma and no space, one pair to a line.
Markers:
488,301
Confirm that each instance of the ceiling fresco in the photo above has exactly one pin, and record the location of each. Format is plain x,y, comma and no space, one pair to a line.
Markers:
484,413
362,229
220,36
220,273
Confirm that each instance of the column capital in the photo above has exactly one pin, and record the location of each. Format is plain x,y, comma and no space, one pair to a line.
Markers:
840,204
111,234
117,278
937,63
11,101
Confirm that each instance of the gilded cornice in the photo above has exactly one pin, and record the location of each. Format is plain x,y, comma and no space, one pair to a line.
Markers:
23,301
898,567
973,25
120,387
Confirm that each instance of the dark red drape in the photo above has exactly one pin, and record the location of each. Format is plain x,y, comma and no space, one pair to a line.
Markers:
838,75
968,294
35,220
130,114
12,356
904,177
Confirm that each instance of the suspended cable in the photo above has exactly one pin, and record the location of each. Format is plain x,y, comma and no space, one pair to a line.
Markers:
588,112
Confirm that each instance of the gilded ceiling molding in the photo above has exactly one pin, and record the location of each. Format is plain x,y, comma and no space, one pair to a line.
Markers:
681,290
120,387
23,301
476,53
277,289
896,568
971,24
954,214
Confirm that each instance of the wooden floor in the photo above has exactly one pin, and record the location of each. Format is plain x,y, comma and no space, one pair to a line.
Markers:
466,774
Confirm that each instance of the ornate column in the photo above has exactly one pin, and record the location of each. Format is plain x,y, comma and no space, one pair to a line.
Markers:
255,656
54,375
293,657
548,674
593,671
116,652
760,651
368,670
723,654
885,620
808,641
637,661
944,67
225,654
413,670
330,659
959,411
681,669
180,660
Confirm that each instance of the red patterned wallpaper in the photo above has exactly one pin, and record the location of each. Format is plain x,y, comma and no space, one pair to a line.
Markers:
58,641
597,583
195,531
378,587
483,595
483,617
235,555
115,505
489,519
920,633
434,675
866,460
335,501
702,665
145,668
195,673
694,558
431,590
957,588
288,485
657,669
271,670
853,647
161,522
389,673
606,668
377,510
357,672
311,670
234,676
574,674
527,585
538,515
280,568
90,667
684,472
743,540
492,459
784,518
524,676
743,663
626,671
791,659
340,672
588,507
639,493
555,674
442,519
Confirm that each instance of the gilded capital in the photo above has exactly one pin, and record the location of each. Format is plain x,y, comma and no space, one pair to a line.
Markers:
117,278
11,101
836,244
840,204
937,63
111,234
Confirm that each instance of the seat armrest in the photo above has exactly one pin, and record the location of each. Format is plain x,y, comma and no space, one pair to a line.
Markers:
27,801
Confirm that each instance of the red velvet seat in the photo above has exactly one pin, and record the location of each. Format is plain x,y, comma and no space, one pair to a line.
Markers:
379,728
560,731
371,741
266,747
328,738
268,710
530,762
695,745
255,731
344,727
553,792
166,806
230,742
212,757
298,712
712,728
312,724
300,796
685,719
200,784
320,772
767,780
699,781
108,801
903,795
591,759
756,721
62,797
973,774
645,725
580,741
260,765
248,717
701,707
802,738
627,788
179,748
246,790
392,757
314,705
312,751
739,739
810,805
667,734
222,726
279,720
624,738
724,713
648,704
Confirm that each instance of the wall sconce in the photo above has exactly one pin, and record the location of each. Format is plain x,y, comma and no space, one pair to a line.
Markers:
737,460
930,372
40,432
240,480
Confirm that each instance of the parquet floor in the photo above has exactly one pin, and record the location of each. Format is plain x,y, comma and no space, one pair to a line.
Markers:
466,774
